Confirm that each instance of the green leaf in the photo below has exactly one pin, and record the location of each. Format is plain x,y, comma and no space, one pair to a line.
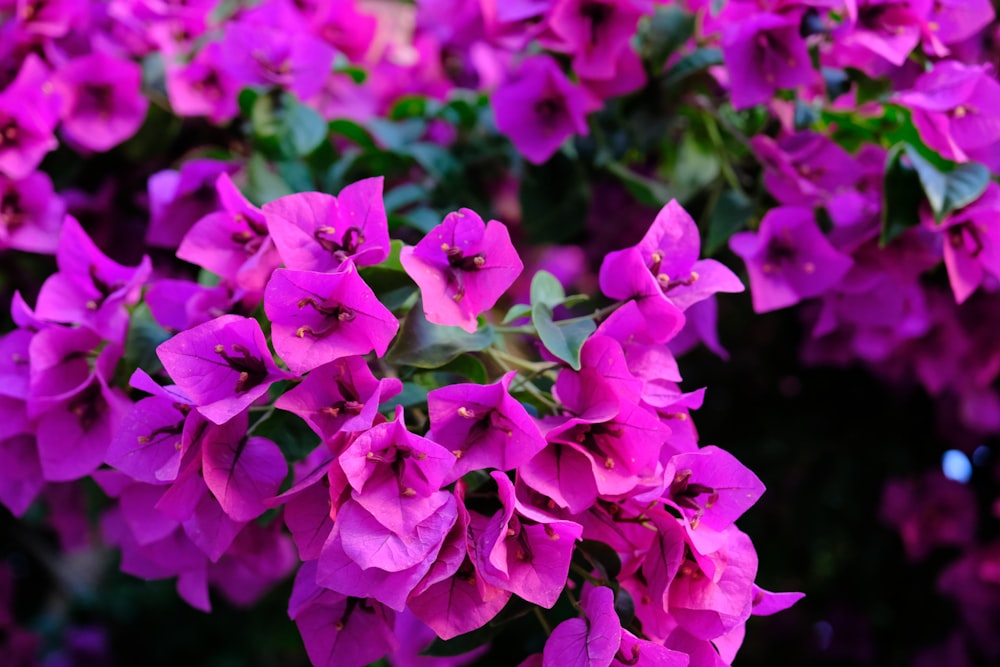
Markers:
412,106
426,345
263,184
669,28
423,218
397,135
436,160
517,311
403,196
468,367
286,126
901,196
575,300
730,215
948,191
546,290
696,166
562,341
290,433
696,61
624,606
389,275
412,394
555,199
647,191
593,554
354,132
296,174
246,100
144,336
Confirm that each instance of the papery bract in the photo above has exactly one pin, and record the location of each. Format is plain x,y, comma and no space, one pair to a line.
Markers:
342,395
462,266
223,365
527,558
234,242
764,53
788,259
666,262
320,317
539,108
31,214
361,629
590,642
319,232
89,288
102,101
242,474
483,426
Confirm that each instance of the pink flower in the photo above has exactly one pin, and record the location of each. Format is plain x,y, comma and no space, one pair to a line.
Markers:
462,267
538,108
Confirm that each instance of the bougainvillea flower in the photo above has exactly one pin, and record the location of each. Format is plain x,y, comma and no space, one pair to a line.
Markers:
340,396
343,27
31,214
177,305
202,87
766,603
29,111
242,473
538,108
462,267
20,472
764,53
308,505
971,242
339,631
414,552
890,29
955,109
178,199
666,261
189,501
320,317
608,443
269,55
589,642
15,372
953,21
713,593
73,435
628,76
396,475
367,541
635,651
788,258
805,168
154,435
594,32
319,232
483,426
453,598
89,288
527,558
223,365
709,488
103,104
234,242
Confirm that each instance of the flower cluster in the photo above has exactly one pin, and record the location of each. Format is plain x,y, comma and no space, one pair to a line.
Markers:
447,512
265,377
